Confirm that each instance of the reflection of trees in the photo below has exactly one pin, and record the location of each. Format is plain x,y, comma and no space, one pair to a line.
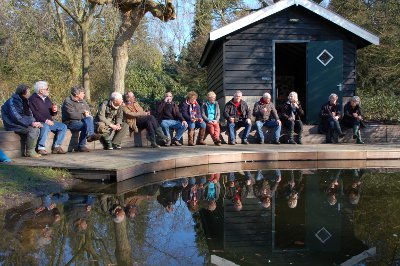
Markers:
377,216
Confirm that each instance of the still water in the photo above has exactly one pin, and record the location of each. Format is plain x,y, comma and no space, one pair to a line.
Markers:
274,217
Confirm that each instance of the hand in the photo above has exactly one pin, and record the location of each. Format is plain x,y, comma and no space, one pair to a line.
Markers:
264,110
295,105
86,113
279,122
185,123
248,121
231,119
36,124
355,115
337,117
193,120
291,119
200,120
333,114
214,122
49,122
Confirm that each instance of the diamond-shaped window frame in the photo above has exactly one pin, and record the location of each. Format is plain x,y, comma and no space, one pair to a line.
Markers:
325,52
325,232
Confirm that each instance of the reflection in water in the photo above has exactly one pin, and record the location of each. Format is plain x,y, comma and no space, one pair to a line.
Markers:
249,217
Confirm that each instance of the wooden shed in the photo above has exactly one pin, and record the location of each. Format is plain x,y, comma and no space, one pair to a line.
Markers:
293,45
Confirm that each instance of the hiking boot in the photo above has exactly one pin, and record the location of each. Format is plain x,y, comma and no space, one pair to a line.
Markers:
155,145
93,137
175,142
32,154
83,149
245,142
276,142
291,141
58,150
218,143
42,152
167,142
116,146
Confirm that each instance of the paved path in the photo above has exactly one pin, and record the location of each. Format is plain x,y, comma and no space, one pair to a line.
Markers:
118,165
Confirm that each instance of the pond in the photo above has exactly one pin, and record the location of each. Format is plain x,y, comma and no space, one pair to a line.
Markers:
285,217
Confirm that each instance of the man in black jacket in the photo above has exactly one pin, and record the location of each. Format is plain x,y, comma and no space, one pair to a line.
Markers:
237,114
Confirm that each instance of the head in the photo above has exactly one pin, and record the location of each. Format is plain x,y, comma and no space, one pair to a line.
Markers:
355,100
332,199
41,88
185,182
267,97
116,99
131,211
293,97
118,214
292,201
237,97
78,92
168,96
238,205
354,198
23,91
80,225
191,96
211,97
333,98
169,208
266,202
129,97
212,205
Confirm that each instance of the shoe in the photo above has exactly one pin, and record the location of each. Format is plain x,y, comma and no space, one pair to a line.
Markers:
355,136
167,142
155,145
300,142
232,142
58,150
42,152
291,141
93,137
360,142
32,154
83,149
341,135
175,142
218,143
245,141
276,142
116,146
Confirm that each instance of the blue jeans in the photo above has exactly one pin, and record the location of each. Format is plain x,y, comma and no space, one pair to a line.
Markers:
270,124
85,127
232,130
174,124
59,129
197,124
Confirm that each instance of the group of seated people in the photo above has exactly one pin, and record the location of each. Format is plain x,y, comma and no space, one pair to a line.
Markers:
33,116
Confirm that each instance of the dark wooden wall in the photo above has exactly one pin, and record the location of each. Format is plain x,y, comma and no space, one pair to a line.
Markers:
216,73
247,55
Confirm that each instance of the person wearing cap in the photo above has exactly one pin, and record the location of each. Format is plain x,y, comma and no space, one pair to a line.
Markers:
109,119
76,115
353,117
17,116
44,110
266,115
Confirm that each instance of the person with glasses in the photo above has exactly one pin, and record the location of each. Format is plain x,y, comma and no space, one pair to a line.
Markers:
44,110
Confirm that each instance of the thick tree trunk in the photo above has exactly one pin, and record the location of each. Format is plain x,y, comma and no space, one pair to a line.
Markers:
130,21
85,61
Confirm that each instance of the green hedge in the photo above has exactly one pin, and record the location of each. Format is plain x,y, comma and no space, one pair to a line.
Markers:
381,106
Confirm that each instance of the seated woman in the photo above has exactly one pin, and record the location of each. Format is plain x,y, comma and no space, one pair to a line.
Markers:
137,118
191,112
353,117
330,114
291,117
211,115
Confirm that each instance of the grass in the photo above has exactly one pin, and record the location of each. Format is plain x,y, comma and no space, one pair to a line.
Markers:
17,181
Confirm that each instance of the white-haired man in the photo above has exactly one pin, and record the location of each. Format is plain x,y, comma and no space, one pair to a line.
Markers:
108,119
266,115
43,110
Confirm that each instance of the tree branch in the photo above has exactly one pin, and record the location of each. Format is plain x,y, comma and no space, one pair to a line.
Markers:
68,12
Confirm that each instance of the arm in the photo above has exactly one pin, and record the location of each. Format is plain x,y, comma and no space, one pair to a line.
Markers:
227,114
17,115
217,112
184,110
130,113
300,110
178,114
69,111
204,112
35,107
120,116
246,110
101,114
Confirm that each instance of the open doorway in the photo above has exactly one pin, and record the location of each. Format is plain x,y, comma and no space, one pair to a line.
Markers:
290,72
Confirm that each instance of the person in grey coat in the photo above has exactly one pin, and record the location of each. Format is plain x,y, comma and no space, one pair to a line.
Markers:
211,115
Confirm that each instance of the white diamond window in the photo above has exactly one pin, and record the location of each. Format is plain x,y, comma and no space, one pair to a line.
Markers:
323,235
325,57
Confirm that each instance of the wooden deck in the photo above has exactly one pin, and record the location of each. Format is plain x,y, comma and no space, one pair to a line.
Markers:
119,165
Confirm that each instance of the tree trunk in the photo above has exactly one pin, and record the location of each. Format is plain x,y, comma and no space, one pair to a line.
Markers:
130,21
85,61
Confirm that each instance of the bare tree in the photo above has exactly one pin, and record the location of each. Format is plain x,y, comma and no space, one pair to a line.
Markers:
132,12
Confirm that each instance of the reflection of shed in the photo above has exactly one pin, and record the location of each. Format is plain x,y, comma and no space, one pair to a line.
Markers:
291,45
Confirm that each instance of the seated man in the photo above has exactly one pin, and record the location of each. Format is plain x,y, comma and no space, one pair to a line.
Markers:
18,117
265,113
108,119
237,114
137,118
169,117
43,110
76,115
330,115
191,111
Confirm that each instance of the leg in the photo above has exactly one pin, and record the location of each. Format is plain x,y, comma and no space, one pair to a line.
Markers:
246,132
119,135
191,127
217,133
202,132
299,130
259,125
290,127
180,129
211,130
232,133
81,127
165,125
44,133
60,130
277,129
32,134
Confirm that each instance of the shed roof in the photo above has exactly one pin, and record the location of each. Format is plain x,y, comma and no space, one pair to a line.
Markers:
279,6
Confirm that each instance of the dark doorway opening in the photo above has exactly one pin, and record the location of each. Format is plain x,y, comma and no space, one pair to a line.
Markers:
291,72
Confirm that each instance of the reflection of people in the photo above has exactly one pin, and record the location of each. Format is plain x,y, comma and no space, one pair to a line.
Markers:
169,193
137,118
17,116
191,111
78,209
211,115
353,190
266,115
330,115
109,119
334,187
170,117
353,117
237,114
76,115
291,116
43,110
293,190
266,187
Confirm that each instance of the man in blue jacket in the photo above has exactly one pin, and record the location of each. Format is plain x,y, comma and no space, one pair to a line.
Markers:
18,117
